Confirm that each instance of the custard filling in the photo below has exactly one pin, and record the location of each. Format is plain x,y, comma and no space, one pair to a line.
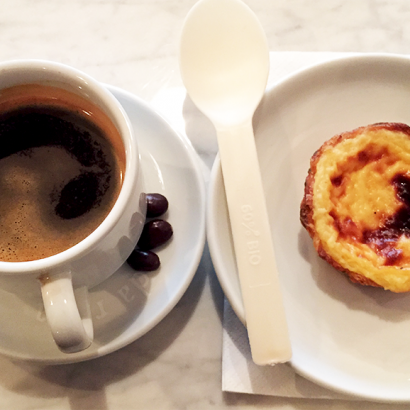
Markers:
361,205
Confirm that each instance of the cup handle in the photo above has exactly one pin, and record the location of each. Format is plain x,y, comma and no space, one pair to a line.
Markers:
68,313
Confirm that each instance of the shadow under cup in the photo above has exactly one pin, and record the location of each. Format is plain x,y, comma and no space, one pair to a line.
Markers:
73,202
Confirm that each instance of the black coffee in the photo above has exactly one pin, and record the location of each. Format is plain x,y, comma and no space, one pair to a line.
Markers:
60,173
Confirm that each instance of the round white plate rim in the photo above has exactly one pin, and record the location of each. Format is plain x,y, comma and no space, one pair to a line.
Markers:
195,255
219,260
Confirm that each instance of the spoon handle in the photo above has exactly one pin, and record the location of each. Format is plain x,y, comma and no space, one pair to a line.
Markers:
255,257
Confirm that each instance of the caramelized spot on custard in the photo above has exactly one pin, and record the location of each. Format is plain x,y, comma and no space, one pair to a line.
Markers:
392,255
371,153
346,227
363,156
337,181
402,186
384,239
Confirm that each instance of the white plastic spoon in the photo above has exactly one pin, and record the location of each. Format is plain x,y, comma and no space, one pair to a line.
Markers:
224,62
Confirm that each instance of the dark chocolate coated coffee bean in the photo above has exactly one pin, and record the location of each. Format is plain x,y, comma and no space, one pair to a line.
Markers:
157,205
154,234
145,261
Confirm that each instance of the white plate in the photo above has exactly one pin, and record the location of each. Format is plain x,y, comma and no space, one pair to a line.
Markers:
346,337
129,303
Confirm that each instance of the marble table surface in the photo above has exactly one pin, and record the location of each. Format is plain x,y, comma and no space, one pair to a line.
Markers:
132,44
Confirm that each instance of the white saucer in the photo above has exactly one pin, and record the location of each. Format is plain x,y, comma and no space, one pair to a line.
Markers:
347,337
129,303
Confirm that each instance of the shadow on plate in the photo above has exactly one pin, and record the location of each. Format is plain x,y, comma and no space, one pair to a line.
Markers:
389,306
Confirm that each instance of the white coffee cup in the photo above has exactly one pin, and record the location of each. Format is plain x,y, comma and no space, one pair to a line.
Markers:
64,278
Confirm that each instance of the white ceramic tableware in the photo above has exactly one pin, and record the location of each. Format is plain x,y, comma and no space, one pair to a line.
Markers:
99,255
224,61
129,303
347,337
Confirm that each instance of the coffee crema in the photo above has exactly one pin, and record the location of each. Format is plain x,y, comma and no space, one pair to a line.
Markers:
62,162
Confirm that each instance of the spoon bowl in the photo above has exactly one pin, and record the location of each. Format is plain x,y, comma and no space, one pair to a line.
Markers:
225,64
